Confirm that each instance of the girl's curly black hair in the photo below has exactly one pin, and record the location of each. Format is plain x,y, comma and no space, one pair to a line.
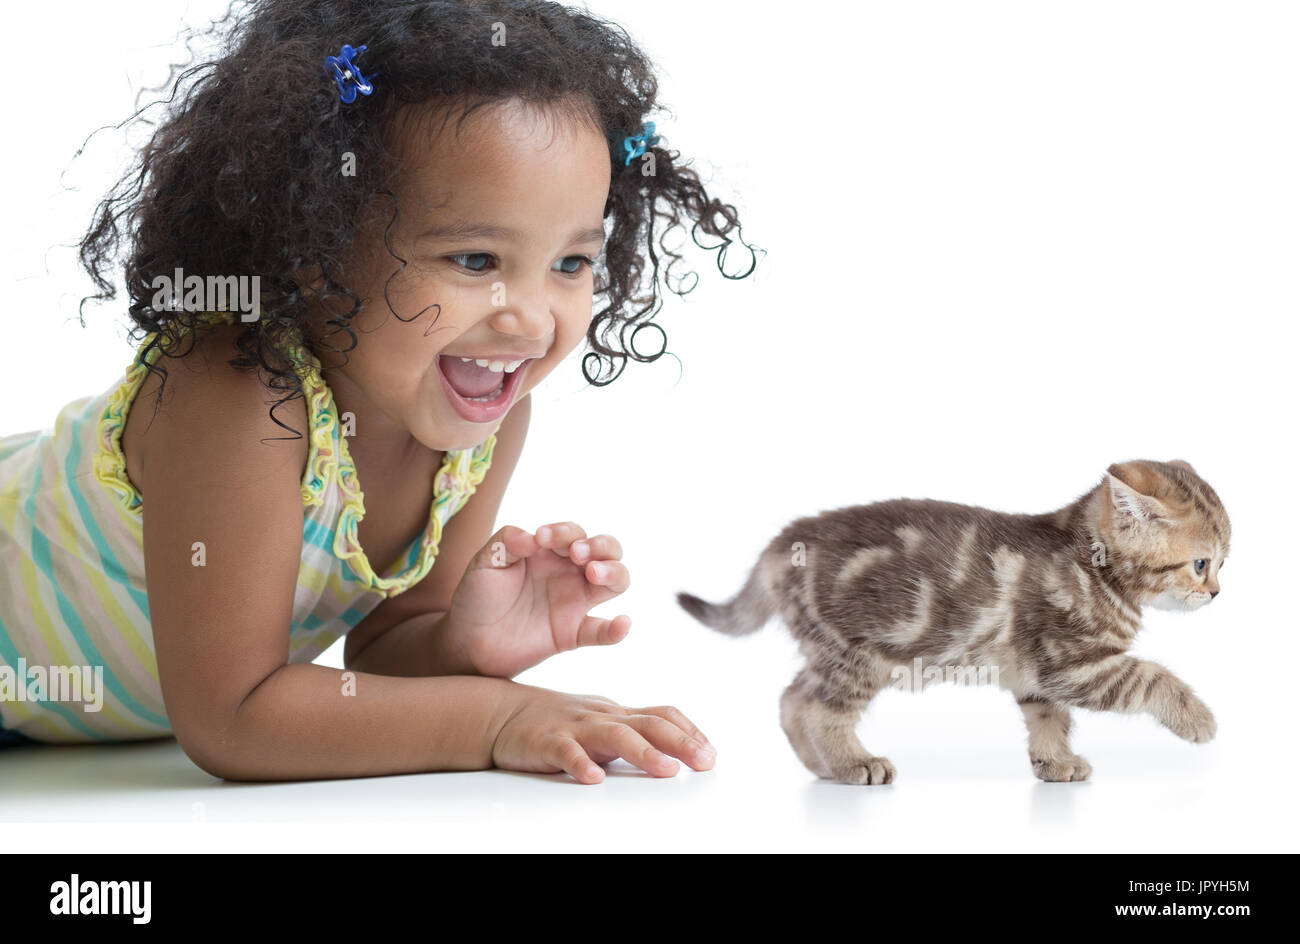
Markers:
243,174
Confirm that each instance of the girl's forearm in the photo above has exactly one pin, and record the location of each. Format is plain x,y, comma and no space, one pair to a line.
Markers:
418,646
306,722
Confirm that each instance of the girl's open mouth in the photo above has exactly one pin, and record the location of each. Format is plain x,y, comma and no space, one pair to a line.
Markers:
476,393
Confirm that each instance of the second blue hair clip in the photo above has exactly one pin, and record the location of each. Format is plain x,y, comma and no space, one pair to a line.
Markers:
635,144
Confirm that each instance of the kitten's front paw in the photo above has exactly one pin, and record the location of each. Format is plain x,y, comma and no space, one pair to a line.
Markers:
865,770
1193,721
1061,769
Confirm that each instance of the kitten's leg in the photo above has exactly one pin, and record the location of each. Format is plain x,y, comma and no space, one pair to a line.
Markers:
1049,741
1122,683
819,711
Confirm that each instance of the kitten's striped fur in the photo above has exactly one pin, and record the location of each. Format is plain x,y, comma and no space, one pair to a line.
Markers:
1052,600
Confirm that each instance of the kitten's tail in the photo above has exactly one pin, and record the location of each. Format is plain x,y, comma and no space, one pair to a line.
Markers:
744,613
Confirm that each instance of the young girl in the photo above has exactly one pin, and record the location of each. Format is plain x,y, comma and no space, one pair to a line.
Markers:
388,215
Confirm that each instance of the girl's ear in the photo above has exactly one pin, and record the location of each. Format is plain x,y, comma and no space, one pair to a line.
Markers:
1132,488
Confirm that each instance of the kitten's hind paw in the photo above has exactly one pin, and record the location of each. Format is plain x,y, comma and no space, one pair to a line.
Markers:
1060,769
865,770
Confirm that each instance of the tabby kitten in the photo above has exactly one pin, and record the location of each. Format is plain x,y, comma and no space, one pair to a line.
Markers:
1050,602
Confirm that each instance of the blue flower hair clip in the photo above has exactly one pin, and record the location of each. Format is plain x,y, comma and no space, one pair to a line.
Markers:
348,76
636,144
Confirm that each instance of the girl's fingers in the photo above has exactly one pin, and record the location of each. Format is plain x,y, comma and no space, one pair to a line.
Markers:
497,552
612,575
596,631
646,740
671,739
600,547
568,755
558,536
618,738
676,717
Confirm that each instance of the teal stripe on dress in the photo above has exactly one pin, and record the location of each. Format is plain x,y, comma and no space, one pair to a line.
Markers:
349,617
10,656
317,535
109,563
44,562
312,622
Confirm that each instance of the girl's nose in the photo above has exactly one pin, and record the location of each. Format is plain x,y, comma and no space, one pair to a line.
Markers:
525,318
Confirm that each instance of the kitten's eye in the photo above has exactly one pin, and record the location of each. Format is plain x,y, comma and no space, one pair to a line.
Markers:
1200,565
471,255
578,263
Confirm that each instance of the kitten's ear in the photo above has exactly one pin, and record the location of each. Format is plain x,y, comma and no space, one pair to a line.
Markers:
1182,465
1132,489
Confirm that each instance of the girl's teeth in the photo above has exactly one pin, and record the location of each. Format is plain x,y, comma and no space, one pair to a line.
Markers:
495,366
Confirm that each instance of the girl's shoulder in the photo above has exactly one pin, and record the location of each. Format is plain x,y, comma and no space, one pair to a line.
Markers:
212,412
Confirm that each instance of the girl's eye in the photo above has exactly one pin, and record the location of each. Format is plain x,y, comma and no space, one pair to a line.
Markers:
1200,565
578,263
569,265
471,255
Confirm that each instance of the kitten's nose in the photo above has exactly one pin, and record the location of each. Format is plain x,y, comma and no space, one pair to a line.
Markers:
1213,594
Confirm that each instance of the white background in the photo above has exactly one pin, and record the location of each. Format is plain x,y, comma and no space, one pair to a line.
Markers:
1008,244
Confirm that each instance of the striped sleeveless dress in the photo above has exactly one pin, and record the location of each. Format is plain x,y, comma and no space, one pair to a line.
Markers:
77,659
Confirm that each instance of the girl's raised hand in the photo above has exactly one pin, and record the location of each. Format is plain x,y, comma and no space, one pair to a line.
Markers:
525,597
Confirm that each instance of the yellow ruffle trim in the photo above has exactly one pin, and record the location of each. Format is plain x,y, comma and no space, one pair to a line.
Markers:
110,461
460,474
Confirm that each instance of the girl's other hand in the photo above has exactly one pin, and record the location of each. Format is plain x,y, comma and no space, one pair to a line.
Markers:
525,597
551,732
